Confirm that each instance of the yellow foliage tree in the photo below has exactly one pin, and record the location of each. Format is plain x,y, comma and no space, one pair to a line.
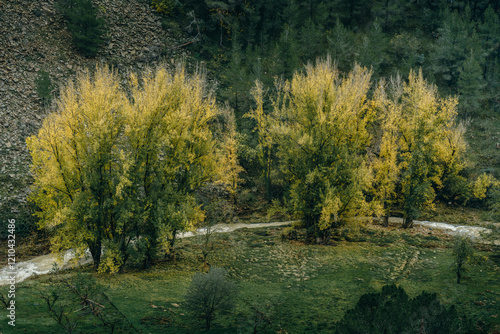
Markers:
121,172
421,148
318,124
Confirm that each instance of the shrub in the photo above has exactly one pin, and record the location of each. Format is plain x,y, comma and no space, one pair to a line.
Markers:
277,211
4,298
85,26
392,311
464,255
210,294
289,233
167,7
44,87
482,184
23,213
494,204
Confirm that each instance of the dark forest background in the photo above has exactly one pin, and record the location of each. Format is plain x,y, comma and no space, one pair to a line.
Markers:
455,43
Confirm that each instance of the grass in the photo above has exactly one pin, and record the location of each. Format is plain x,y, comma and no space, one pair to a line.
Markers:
301,288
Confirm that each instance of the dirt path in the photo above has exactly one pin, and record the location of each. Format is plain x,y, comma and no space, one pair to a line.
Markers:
44,264
475,232
41,265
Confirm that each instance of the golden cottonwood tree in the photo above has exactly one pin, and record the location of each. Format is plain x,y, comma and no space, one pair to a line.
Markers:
318,124
119,170
422,146
76,163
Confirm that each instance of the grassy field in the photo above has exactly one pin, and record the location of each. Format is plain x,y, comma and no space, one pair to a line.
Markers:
299,288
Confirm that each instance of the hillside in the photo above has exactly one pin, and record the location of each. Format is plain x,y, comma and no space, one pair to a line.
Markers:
34,38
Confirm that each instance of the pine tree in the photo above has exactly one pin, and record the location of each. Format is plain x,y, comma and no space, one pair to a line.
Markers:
341,46
85,25
372,52
489,33
450,51
471,85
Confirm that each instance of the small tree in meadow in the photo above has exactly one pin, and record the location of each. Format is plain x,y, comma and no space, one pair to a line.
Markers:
210,294
463,254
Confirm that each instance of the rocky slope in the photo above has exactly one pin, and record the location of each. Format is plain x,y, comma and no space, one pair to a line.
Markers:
34,38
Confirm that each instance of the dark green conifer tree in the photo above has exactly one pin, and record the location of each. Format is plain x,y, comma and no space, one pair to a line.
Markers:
372,51
489,33
450,51
341,46
86,27
471,85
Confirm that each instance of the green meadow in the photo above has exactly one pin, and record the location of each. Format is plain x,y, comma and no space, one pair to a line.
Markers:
285,286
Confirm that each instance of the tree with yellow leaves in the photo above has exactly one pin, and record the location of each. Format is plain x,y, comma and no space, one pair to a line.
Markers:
421,148
318,125
116,172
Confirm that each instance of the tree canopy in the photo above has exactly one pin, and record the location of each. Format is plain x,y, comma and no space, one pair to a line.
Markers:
318,125
115,169
422,145
343,152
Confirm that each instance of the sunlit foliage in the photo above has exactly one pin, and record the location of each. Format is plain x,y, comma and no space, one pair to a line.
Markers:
318,125
422,145
120,170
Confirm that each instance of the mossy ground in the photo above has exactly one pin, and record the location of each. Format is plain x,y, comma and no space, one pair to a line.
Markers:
300,288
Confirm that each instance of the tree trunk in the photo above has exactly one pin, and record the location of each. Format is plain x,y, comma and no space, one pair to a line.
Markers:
207,323
122,267
408,222
386,221
150,255
95,250
310,233
147,262
459,273
171,243
125,254
220,41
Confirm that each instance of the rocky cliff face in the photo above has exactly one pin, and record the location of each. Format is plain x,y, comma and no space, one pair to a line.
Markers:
34,38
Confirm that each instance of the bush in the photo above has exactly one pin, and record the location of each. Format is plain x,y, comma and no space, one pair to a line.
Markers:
289,233
464,255
210,294
4,298
22,213
392,311
44,87
493,202
85,26
167,7
277,211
